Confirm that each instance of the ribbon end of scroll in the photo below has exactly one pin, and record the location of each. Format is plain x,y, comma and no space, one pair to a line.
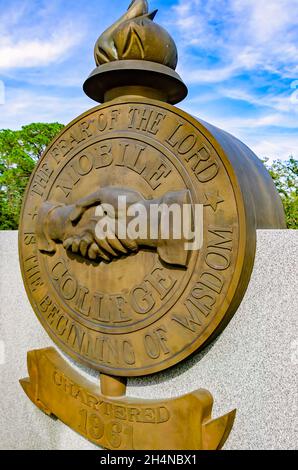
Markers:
30,384
216,432
26,386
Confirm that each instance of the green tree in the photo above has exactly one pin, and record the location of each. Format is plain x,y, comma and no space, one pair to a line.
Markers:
285,177
19,153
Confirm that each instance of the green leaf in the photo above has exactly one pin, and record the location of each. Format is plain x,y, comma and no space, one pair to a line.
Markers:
285,177
19,153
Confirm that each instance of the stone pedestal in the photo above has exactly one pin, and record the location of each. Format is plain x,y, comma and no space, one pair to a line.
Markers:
252,366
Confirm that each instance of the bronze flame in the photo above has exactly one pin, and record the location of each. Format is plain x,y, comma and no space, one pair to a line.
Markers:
136,37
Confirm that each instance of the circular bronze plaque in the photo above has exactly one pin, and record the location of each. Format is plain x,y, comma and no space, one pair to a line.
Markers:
143,312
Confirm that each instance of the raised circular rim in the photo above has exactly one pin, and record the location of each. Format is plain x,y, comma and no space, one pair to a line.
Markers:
242,271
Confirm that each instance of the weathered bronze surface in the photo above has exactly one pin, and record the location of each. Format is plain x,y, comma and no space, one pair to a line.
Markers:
136,37
122,423
137,78
135,56
152,306
132,307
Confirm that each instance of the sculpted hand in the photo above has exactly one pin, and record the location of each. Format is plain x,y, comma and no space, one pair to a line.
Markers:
84,235
83,240
112,214
97,227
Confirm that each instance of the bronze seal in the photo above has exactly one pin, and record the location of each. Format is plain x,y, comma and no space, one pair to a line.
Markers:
146,310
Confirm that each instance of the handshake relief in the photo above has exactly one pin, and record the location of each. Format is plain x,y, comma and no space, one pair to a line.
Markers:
115,222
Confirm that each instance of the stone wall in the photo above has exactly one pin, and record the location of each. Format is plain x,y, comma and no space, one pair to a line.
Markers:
252,366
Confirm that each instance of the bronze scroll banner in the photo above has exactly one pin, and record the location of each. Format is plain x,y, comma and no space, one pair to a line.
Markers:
122,423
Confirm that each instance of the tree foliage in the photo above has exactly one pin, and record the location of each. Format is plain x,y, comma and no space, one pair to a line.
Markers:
285,177
19,153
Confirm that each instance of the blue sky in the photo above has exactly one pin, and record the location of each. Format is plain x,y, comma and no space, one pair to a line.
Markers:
239,59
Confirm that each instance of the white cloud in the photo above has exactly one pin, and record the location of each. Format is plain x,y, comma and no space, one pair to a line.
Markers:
35,52
266,19
243,34
238,124
244,60
275,146
212,75
34,35
23,107
283,102
269,136
11,16
244,51
218,40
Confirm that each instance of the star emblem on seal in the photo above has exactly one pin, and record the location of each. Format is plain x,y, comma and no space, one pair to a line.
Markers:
212,199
